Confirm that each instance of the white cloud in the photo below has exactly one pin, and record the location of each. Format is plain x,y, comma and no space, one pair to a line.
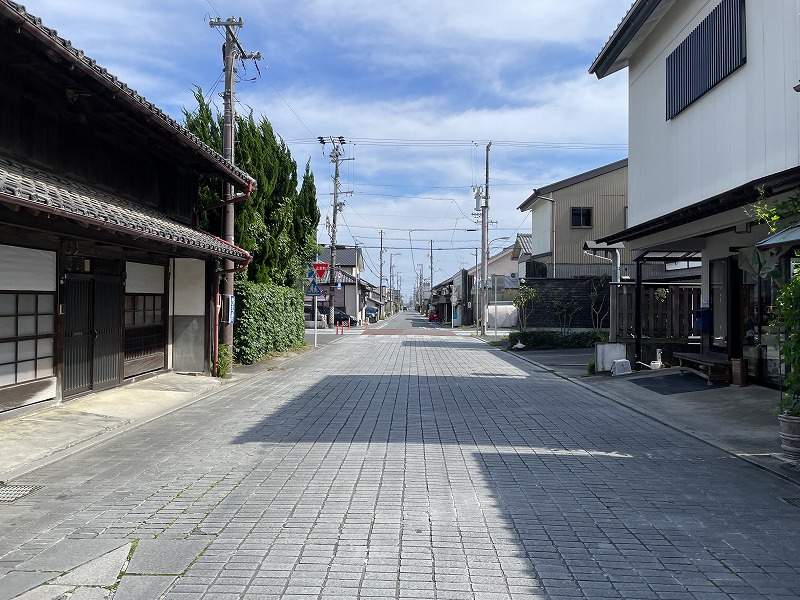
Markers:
419,70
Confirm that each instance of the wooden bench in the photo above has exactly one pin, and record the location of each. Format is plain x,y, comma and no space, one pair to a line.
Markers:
710,367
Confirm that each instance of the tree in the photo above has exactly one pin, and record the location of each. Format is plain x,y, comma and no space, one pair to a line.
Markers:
524,301
565,307
598,297
278,223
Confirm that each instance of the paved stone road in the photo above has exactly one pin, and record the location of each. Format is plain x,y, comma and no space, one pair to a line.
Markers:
402,466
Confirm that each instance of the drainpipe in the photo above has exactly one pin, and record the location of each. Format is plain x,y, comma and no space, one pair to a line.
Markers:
217,276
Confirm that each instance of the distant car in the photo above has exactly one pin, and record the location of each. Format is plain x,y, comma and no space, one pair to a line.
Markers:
432,316
371,312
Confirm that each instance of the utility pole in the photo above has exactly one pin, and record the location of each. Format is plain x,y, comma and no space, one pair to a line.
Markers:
391,281
421,283
431,268
380,283
336,159
477,297
485,248
231,51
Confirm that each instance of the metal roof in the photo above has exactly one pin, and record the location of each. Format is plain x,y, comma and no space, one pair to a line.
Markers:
640,20
44,192
346,256
574,180
786,237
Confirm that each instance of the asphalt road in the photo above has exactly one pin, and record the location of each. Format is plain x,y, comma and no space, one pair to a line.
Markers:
412,462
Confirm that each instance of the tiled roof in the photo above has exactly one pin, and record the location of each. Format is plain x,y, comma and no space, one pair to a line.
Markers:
45,192
76,58
525,243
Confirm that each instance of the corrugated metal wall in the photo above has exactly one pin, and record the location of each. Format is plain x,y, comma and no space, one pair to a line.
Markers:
607,195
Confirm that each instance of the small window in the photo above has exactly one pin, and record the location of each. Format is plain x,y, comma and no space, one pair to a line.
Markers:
27,330
582,216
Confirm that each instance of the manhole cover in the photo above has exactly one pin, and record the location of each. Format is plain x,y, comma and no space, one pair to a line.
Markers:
792,501
10,493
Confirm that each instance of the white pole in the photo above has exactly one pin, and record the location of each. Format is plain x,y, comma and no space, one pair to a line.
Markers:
315,321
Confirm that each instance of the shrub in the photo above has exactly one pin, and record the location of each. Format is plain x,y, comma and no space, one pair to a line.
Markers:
540,340
269,318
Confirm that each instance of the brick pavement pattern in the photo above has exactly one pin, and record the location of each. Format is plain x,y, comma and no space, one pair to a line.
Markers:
409,466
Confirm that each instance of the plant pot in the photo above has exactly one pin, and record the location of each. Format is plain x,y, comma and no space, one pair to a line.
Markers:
790,436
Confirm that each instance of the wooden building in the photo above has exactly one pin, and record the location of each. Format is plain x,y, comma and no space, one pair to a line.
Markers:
104,275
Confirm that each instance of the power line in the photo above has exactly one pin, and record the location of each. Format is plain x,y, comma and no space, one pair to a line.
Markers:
400,142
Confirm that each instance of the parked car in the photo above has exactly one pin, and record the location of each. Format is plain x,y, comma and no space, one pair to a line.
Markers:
339,316
371,312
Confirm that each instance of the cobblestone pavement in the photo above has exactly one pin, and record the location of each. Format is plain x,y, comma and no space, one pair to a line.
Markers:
402,466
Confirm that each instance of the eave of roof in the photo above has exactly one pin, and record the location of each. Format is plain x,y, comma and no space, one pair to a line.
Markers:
76,58
574,180
636,25
43,192
735,198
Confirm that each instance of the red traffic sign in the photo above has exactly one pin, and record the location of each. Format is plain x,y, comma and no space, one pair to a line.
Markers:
320,268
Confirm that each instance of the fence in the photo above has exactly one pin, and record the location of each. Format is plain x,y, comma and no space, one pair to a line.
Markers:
667,310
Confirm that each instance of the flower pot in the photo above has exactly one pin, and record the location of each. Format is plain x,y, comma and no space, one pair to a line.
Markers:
790,436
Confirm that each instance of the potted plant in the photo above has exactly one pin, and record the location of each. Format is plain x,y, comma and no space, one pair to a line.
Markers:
786,212
789,406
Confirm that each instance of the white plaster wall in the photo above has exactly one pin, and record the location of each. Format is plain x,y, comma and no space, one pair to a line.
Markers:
143,278
541,227
27,269
745,128
188,287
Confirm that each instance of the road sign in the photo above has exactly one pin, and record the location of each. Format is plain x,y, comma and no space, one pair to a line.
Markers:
320,268
310,273
313,289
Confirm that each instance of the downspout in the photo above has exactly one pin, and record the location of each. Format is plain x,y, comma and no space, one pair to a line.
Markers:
217,307
215,337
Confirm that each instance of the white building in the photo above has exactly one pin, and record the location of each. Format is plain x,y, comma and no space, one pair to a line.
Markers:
713,119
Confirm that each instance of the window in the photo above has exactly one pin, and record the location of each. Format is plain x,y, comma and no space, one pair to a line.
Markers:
714,50
582,216
144,325
27,337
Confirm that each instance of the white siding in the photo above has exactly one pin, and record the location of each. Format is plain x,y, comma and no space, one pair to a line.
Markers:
743,129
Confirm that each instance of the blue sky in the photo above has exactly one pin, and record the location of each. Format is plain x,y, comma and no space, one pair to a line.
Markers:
417,89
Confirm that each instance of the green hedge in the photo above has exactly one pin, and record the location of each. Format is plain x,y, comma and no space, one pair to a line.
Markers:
269,318
539,340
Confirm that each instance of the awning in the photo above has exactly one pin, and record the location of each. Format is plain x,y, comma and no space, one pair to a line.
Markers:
668,256
787,237
44,192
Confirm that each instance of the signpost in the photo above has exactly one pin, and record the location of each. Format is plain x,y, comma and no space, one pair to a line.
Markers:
316,271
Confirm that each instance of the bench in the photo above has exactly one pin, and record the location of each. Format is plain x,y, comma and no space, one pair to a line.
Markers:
707,366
